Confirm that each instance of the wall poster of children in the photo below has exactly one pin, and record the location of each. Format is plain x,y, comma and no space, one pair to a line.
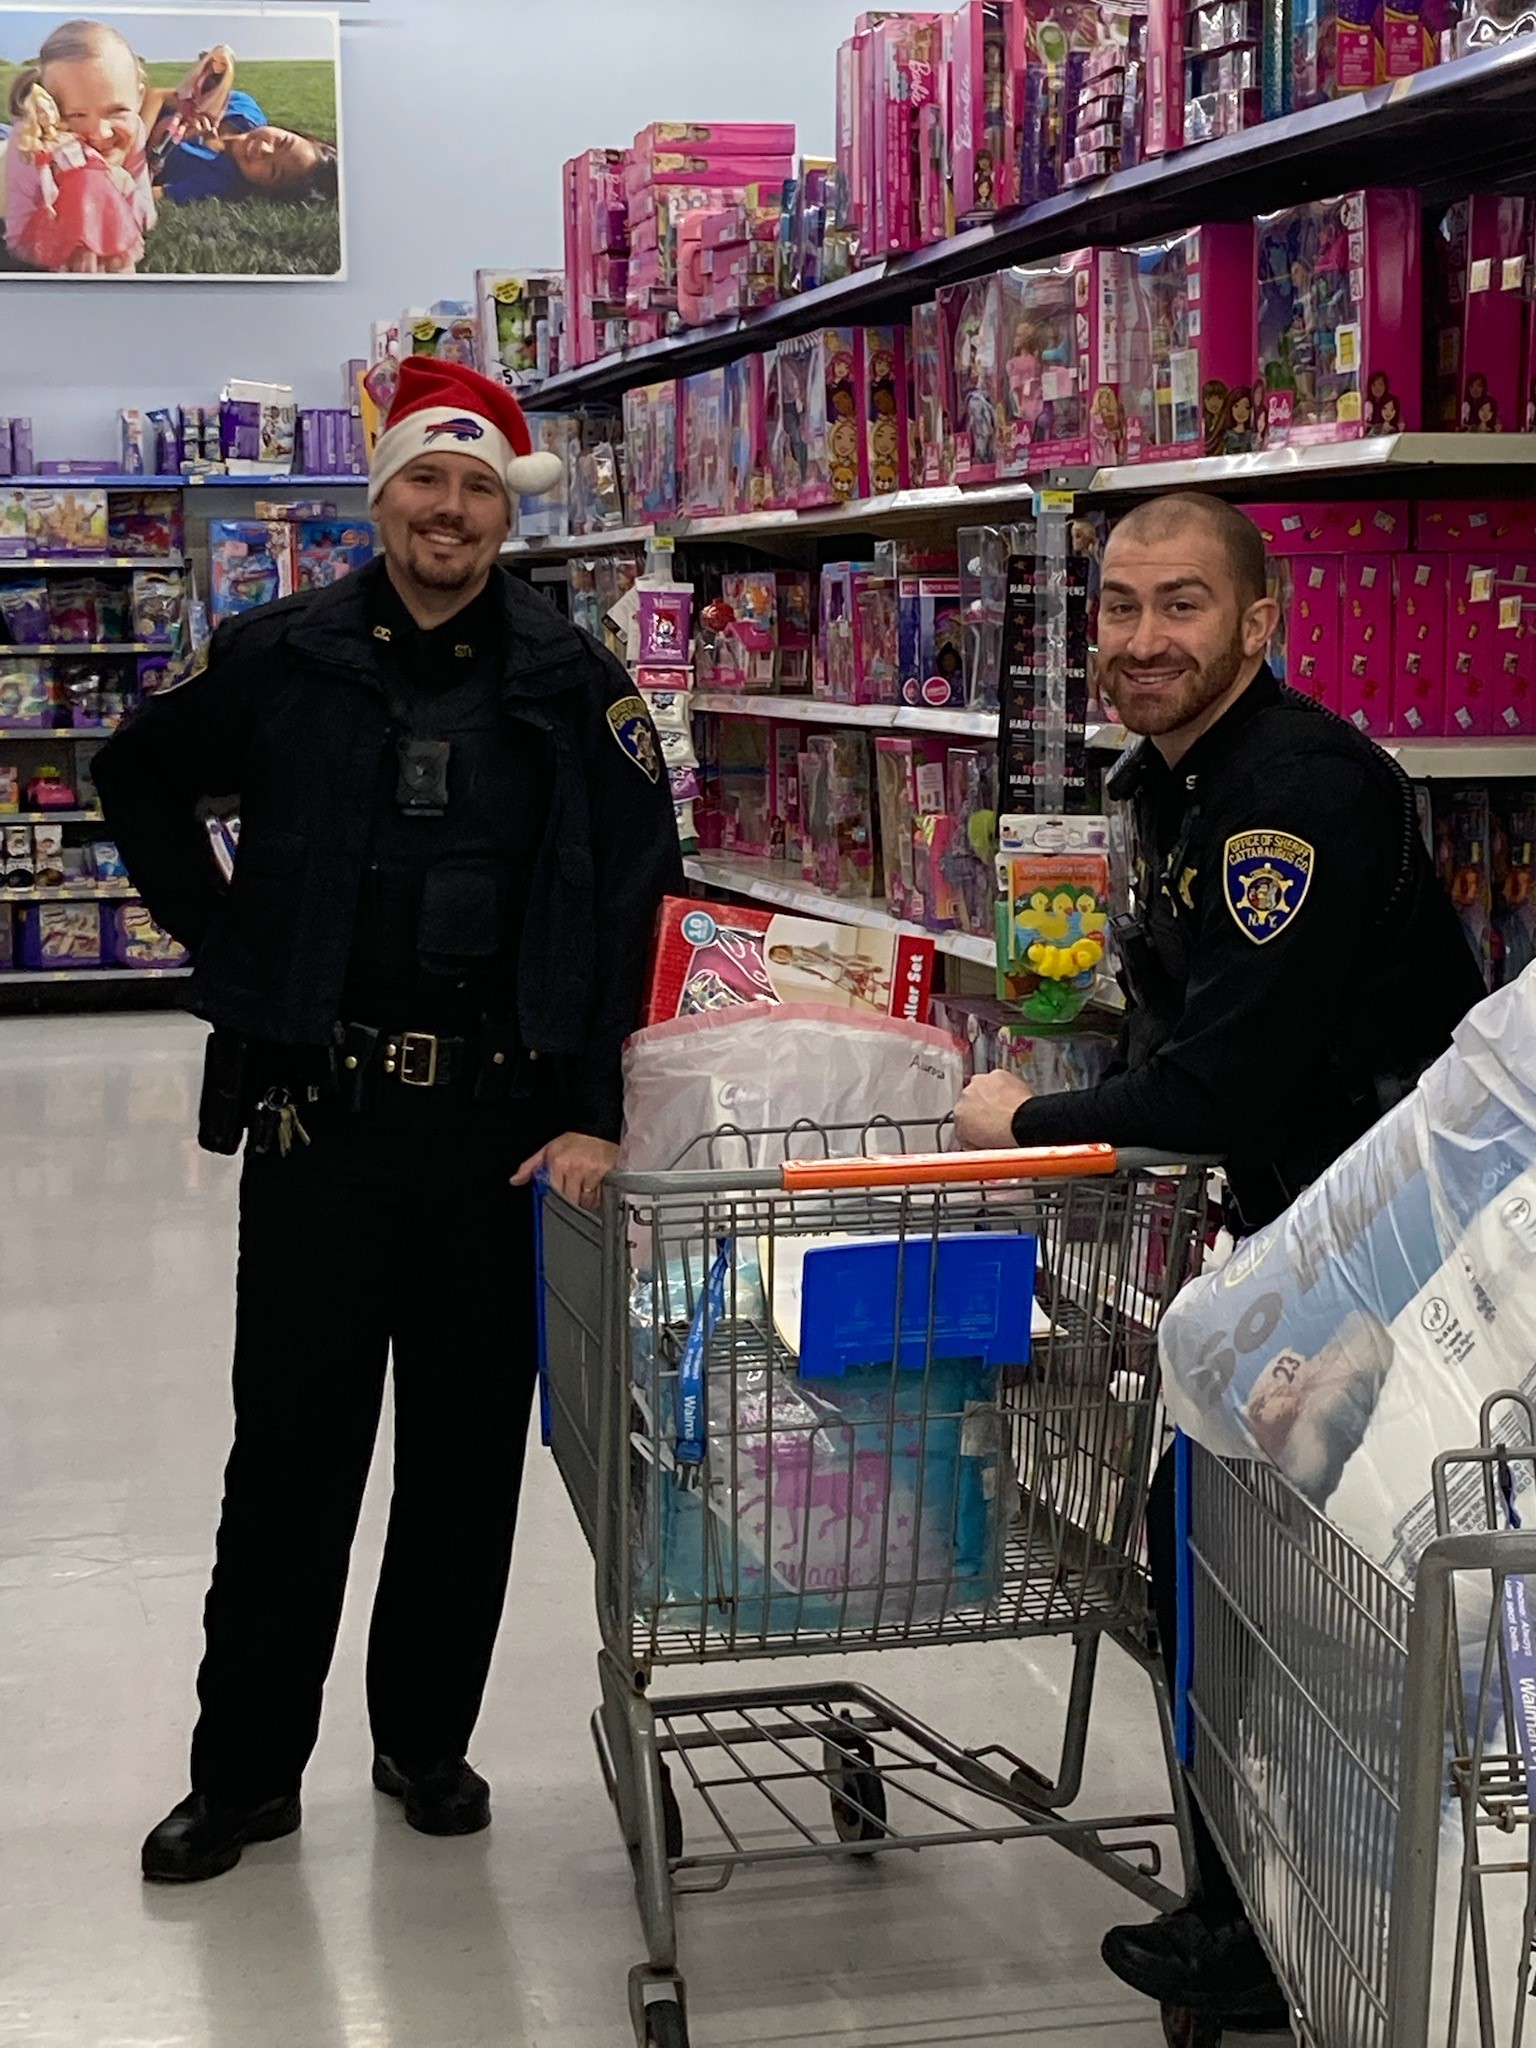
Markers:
160,142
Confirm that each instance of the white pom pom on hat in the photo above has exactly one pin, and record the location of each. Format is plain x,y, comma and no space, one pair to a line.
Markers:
446,408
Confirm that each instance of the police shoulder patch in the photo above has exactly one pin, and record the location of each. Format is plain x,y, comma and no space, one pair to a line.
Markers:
1267,875
629,720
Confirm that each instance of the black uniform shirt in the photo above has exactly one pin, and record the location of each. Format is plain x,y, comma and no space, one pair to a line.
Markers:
443,898
1297,964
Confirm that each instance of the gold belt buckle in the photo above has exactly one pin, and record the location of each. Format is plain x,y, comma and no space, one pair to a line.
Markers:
417,1047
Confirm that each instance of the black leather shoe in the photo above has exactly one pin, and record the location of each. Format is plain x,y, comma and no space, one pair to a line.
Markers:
442,1798
1209,1966
204,1837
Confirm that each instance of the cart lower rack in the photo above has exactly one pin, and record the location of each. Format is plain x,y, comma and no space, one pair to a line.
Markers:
1364,1755
866,1399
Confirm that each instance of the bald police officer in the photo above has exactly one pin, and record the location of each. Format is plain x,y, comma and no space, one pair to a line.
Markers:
1292,967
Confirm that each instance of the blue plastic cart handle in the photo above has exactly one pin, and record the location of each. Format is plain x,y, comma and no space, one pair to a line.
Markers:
1184,1649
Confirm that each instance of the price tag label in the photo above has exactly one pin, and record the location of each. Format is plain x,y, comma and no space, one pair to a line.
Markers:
1054,501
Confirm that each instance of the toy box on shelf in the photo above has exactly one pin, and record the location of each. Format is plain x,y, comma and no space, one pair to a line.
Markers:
972,356
884,411
984,106
1053,404
652,446
1223,68
1339,318
908,77
1176,343
521,314
837,818
814,434
859,646
1044,754
932,437
1477,253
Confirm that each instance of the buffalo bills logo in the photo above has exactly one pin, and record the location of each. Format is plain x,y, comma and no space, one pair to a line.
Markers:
462,429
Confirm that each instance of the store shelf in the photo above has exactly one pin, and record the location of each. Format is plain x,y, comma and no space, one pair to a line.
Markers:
72,892
1455,464
20,977
1475,759
109,481
1462,127
88,647
767,884
50,818
897,511
959,724
49,734
26,564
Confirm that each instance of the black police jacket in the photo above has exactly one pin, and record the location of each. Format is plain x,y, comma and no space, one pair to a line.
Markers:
290,718
1295,965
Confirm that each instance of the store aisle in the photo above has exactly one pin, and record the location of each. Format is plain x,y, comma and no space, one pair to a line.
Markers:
116,1266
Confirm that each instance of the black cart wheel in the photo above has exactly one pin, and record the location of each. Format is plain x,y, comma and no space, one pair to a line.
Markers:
858,1791
1184,2029
672,1815
665,2026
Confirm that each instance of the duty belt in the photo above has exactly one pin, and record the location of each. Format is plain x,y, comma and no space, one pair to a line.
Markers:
371,1058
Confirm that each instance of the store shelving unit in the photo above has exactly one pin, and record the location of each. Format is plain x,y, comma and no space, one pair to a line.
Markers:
768,883
104,480
83,977
1461,126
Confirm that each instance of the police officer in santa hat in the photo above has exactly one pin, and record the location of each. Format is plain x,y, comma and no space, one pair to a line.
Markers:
454,834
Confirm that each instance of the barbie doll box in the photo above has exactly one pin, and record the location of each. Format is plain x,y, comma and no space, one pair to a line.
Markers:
718,957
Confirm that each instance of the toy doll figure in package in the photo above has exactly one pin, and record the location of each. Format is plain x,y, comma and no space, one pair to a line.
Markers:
1044,318
1339,327
933,456
972,364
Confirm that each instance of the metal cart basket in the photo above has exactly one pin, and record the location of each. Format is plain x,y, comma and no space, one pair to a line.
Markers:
815,1392
1359,1751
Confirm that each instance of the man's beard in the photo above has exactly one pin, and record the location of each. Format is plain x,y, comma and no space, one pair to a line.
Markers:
435,575
1178,704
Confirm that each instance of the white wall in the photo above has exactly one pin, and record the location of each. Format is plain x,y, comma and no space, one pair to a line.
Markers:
458,115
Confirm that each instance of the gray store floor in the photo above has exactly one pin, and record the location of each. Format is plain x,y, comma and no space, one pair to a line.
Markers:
116,1262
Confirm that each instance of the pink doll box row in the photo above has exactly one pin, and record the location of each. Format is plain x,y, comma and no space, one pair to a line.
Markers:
1481,314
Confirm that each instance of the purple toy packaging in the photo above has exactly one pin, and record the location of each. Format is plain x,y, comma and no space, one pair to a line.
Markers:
931,629
1418,646
1478,249
1178,343
884,411
1365,668
60,934
1339,318
133,939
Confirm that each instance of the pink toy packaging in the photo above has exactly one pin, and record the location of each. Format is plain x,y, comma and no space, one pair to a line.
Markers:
1164,116
651,449
1513,709
1314,632
712,169
747,472
727,138
1480,526
936,190
784,839
1340,343
706,442
984,144
905,62
814,450
835,808
884,411
876,637
1342,529
971,348
1418,646
1177,343
1475,643
933,455
1365,668
910,778
1055,407
1477,261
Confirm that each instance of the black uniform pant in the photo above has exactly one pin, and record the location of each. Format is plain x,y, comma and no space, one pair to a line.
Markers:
1213,1883
394,1231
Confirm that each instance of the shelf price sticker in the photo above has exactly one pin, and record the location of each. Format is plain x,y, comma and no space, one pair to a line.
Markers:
1054,501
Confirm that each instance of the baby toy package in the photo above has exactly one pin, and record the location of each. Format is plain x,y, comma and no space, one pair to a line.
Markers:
1358,1336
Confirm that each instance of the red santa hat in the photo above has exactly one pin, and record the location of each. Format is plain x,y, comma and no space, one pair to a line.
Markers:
445,408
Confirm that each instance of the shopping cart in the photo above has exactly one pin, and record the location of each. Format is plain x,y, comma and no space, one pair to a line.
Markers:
1358,1751
852,1401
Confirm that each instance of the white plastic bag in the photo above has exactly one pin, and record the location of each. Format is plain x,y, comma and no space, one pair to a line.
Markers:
769,1065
